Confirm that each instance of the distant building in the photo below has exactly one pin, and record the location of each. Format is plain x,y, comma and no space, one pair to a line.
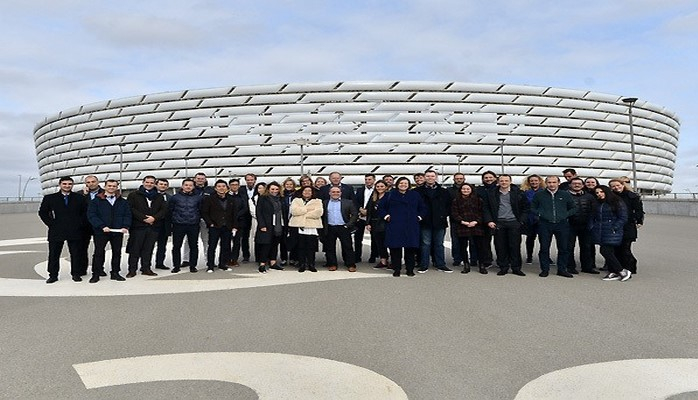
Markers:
357,127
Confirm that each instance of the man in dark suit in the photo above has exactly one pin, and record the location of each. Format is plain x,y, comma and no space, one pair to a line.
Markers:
242,212
336,181
91,189
363,194
64,215
339,220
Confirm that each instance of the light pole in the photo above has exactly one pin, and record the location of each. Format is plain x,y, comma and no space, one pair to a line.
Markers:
186,168
501,149
301,142
630,101
19,188
121,165
24,190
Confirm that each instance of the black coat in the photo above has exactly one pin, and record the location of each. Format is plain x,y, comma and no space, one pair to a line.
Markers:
242,210
140,209
215,215
584,202
519,205
438,202
349,213
265,219
636,214
63,222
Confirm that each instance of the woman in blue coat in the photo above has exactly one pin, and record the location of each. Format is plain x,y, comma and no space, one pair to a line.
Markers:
606,225
402,209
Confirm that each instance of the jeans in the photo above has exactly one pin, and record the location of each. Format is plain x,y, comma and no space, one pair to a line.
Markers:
432,239
561,232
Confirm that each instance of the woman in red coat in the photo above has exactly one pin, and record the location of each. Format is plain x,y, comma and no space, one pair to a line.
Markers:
467,212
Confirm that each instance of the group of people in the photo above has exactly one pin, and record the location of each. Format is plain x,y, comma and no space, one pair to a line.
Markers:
283,224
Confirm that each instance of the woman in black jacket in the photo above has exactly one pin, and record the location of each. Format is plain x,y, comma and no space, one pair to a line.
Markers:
376,225
270,227
636,217
606,225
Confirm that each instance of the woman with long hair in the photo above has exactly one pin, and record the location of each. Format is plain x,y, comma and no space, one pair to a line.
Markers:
590,185
636,217
402,209
270,227
306,216
606,225
259,190
376,225
530,187
467,214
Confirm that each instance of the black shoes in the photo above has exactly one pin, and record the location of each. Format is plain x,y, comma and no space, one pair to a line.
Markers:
94,279
277,266
573,271
312,269
175,270
117,277
301,268
518,272
52,279
564,274
543,274
131,274
483,270
591,271
410,273
396,273
262,269
102,273
185,264
502,272
466,269
77,278
161,267
192,269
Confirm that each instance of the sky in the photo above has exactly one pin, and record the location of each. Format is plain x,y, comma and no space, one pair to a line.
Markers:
56,55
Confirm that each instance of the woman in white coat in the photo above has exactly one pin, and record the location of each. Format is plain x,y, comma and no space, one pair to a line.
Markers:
306,215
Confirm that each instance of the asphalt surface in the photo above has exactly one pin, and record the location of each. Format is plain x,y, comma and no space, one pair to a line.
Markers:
436,335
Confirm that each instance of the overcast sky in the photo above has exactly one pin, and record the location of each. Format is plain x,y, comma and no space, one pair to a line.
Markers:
57,54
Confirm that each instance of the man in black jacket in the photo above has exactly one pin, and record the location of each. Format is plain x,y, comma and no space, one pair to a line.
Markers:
165,228
219,213
63,213
363,194
505,211
240,200
149,209
91,189
579,231
339,220
433,227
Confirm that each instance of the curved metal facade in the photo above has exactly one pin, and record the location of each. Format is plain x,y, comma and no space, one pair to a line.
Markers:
384,127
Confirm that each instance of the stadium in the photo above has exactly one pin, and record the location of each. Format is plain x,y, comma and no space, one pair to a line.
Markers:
380,127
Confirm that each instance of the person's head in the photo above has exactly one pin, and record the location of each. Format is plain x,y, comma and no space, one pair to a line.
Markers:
569,173
576,185
488,178
591,183
289,185
605,194
260,188
65,183
149,182
430,177
369,180
626,182
111,186
320,182
92,183
458,178
221,187
380,187
402,184
335,178
335,193
388,179
162,184
504,181
200,179
419,179
305,181
466,190
534,181
188,185
234,185
273,189
250,180
616,185
552,183
308,193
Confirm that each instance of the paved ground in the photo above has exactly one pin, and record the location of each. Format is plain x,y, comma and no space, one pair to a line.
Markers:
357,336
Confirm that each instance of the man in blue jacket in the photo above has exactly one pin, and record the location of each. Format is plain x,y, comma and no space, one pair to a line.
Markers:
110,217
433,227
186,214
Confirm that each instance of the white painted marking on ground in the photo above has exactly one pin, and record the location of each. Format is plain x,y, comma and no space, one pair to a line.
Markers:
271,376
2,253
25,241
642,379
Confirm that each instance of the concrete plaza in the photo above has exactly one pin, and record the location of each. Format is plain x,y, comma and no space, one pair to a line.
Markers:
356,336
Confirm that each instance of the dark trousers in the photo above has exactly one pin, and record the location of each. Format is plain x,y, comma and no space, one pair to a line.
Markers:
507,244
342,233
378,242
55,248
456,246
163,235
244,234
236,242
306,247
215,235
586,248
179,231
477,244
410,257
608,253
359,242
268,251
546,232
82,256
624,254
486,258
141,243
115,240
531,235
